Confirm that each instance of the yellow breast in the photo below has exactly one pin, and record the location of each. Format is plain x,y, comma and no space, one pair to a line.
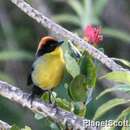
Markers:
49,69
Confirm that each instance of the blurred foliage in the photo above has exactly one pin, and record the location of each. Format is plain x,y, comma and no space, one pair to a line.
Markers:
107,106
6,77
82,17
15,55
119,87
118,76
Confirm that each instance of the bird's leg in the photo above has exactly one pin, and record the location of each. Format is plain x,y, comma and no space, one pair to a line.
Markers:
35,91
31,97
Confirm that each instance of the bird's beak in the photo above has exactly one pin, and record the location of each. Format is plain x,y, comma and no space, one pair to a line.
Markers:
60,43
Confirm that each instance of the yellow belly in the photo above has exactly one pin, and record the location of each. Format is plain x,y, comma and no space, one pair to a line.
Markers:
48,72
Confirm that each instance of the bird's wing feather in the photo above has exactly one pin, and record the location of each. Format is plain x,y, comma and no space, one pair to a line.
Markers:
29,78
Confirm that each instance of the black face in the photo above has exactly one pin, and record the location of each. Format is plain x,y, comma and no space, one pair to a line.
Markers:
49,47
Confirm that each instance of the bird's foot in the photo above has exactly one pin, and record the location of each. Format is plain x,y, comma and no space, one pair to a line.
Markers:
55,108
30,99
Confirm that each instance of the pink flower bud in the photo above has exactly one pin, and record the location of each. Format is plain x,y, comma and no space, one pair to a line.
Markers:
93,34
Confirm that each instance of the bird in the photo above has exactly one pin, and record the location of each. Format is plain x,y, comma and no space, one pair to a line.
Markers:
47,70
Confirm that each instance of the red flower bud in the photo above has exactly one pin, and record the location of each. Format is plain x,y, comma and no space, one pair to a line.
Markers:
93,34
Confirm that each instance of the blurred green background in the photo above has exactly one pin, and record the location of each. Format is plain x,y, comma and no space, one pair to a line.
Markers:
19,37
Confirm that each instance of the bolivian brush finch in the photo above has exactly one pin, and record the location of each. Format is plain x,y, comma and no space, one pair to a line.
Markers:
48,66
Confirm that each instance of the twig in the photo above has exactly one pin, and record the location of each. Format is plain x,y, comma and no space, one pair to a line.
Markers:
47,110
4,125
65,34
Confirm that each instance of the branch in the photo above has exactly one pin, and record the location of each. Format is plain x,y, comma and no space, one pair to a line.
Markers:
4,126
65,34
47,110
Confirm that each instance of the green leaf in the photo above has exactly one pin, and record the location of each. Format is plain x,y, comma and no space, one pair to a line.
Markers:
107,106
75,51
80,109
78,88
99,7
66,46
53,97
71,65
125,62
122,88
115,33
38,116
15,55
67,18
118,76
88,68
14,127
26,128
123,114
76,6
45,97
90,95
63,103
54,126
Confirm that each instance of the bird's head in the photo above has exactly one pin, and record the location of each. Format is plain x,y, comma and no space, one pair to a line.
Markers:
47,44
